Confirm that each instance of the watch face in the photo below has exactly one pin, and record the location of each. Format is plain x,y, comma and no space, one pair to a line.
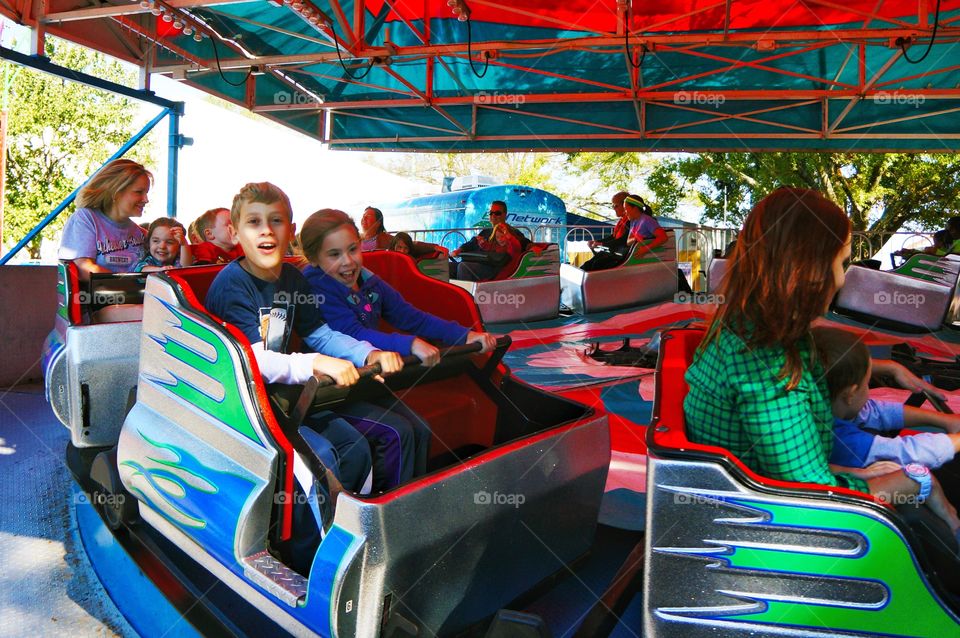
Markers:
915,469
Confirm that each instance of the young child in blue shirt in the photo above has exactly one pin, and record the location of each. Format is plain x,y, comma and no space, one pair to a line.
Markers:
265,297
353,301
846,362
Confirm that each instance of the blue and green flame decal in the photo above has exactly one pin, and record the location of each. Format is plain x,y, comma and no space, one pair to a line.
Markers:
217,368
880,559
188,493
62,301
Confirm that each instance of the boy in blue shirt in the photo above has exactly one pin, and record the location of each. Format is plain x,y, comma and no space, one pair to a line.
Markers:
846,361
265,298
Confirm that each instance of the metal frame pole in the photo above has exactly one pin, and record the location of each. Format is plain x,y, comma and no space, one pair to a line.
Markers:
175,142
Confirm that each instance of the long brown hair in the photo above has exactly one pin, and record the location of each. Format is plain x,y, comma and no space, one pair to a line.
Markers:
780,276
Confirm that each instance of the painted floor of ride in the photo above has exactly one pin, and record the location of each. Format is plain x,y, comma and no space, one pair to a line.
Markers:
552,355
47,584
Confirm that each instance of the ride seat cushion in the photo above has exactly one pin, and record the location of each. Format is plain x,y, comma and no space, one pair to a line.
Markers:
118,313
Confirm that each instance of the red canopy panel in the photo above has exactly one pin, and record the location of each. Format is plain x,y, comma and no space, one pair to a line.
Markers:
601,16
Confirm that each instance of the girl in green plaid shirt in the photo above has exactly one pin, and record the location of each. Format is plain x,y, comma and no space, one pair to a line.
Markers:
756,386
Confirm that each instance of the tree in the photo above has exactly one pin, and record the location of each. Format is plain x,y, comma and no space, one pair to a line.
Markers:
880,192
596,177
59,132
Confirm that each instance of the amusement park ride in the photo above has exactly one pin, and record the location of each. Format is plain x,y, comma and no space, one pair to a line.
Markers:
523,523
176,439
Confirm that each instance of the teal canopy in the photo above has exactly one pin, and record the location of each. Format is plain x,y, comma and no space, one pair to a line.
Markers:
607,75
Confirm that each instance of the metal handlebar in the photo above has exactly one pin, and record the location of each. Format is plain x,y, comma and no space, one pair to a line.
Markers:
374,369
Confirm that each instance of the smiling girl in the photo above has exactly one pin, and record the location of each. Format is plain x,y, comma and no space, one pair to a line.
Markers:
166,246
355,299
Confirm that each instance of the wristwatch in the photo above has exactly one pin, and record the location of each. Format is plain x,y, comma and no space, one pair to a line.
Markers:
920,474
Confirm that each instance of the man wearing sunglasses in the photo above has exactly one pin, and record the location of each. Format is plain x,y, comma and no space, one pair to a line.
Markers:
477,270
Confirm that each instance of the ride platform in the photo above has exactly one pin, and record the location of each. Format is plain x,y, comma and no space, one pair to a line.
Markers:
49,587
62,534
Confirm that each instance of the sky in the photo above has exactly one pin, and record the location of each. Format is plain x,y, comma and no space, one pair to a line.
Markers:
231,149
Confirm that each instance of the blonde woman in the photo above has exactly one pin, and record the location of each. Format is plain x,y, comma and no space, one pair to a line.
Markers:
101,237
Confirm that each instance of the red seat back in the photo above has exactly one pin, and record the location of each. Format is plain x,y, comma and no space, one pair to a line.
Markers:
428,294
667,434
198,279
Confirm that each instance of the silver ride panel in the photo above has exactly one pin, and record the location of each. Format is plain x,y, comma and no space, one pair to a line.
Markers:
531,294
464,548
509,300
91,380
723,559
909,300
629,284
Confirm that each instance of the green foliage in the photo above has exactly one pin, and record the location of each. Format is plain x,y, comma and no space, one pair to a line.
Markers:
597,176
880,192
58,133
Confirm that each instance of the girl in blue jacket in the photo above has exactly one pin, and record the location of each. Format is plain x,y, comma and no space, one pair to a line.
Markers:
354,299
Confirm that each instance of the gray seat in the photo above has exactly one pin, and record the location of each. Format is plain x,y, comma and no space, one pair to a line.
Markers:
919,294
640,279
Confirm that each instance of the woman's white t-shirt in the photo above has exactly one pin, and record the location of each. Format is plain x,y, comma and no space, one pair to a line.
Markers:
91,234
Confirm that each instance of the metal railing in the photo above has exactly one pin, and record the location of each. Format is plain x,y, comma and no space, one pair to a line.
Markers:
696,244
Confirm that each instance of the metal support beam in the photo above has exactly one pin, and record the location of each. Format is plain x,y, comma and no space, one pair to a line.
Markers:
734,40
175,142
38,33
45,65
69,199
109,11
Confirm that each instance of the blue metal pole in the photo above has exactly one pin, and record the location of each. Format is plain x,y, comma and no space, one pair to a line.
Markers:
69,200
173,159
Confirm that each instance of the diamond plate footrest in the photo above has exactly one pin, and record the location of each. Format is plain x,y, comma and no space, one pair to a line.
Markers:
281,581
